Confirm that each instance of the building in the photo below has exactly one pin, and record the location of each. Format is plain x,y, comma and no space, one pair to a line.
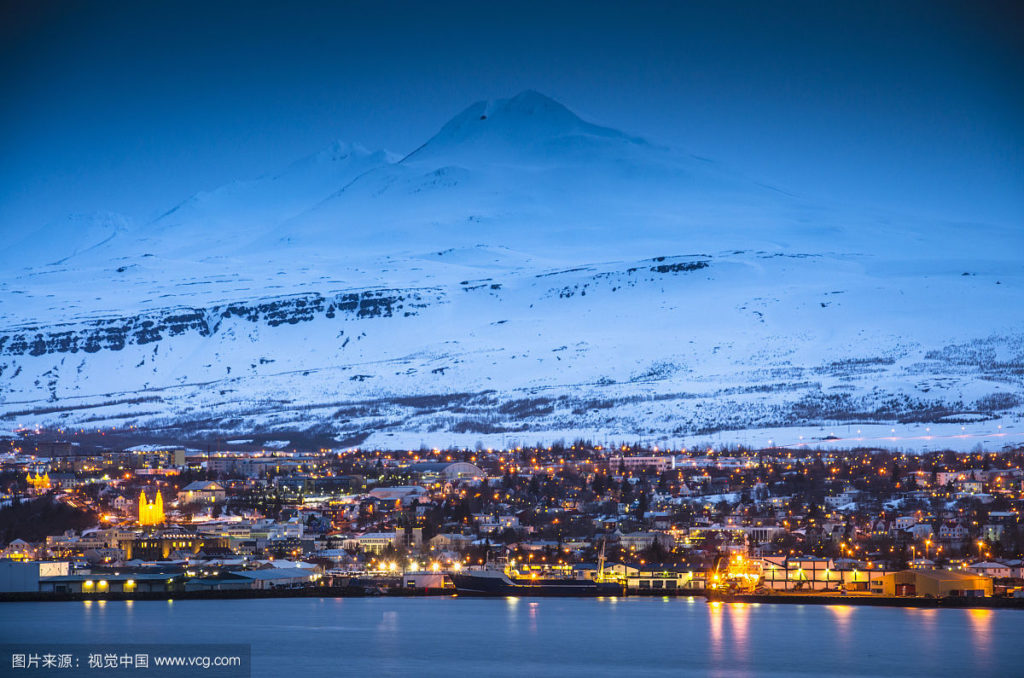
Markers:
427,581
936,584
664,579
252,465
399,495
101,583
953,532
154,456
151,513
488,524
641,541
160,545
447,471
755,534
39,483
18,577
409,538
69,543
19,549
276,578
307,484
810,573
450,542
904,522
634,464
202,492
372,542
224,581
990,569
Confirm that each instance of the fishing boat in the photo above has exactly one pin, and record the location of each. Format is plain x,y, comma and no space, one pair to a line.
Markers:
490,580
497,578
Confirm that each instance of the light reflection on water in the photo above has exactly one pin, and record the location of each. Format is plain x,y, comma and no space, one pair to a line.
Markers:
739,614
716,644
981,635
551,637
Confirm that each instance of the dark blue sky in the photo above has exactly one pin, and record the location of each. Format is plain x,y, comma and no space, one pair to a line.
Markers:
914,107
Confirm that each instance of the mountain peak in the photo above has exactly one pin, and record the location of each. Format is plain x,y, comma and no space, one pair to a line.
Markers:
339,150
515,124
531,104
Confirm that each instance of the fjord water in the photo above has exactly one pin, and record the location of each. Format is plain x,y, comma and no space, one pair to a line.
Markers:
549,637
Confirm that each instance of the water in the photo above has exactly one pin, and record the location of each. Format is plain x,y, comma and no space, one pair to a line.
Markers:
549,637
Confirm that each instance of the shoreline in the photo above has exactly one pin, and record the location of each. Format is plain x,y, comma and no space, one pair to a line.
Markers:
868,601
347,592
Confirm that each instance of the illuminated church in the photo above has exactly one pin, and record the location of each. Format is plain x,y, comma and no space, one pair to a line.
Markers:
151,513
39,483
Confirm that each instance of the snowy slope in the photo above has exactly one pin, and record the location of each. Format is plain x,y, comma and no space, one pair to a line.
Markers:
523,274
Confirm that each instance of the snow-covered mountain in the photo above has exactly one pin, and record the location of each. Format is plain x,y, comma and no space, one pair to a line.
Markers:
523,275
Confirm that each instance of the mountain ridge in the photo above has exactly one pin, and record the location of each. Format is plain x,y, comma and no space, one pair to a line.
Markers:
516,275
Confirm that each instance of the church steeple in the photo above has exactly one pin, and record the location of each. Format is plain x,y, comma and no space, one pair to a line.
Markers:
151,513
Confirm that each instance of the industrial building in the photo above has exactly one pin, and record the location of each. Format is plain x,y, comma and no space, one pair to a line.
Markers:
936,583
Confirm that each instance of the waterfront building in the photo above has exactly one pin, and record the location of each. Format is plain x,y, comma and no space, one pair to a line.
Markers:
667,579
24,577
100,583
935,583
223,581
274,578
810,573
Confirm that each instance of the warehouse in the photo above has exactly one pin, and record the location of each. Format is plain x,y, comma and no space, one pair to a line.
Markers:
936,584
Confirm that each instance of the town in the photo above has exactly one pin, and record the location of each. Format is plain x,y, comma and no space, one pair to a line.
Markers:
166,520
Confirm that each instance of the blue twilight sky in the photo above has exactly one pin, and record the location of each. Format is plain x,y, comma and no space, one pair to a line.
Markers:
131,107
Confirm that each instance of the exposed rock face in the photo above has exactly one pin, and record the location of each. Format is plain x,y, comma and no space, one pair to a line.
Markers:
114,334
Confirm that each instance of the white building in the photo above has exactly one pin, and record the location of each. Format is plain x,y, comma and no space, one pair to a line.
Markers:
991,569
202,492
904,522
371,542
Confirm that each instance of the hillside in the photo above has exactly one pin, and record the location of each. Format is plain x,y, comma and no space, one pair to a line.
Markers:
522,275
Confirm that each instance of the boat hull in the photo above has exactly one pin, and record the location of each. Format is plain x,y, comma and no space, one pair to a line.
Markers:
474,585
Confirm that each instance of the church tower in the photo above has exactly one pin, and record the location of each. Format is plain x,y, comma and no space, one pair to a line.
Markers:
151,513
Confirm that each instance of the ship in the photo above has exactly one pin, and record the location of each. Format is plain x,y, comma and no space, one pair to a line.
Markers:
494,581
498,579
